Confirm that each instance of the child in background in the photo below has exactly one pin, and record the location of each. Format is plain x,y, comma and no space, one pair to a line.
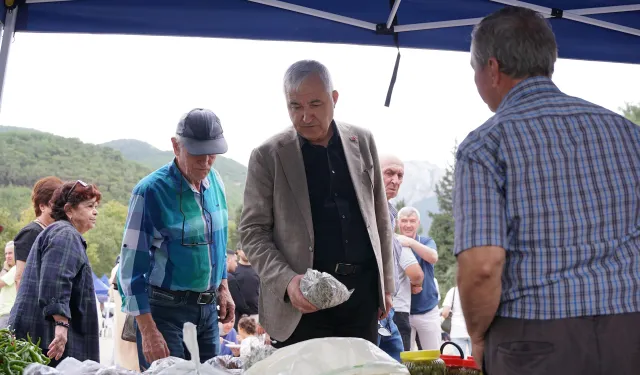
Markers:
247,335
228,335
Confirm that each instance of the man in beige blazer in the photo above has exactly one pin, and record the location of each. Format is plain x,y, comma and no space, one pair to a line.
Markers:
315,198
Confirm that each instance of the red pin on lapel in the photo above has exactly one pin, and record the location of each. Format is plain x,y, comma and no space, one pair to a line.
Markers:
353,138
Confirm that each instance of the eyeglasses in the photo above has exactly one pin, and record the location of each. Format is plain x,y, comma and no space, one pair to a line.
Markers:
208,224
82,183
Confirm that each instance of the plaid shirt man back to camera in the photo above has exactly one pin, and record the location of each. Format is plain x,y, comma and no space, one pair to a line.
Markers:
547,211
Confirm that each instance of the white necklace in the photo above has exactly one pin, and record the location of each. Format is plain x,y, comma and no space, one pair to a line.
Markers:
41,223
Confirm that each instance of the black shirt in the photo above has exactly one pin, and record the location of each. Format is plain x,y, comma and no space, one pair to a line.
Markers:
340,233
25,239
249,284
236,295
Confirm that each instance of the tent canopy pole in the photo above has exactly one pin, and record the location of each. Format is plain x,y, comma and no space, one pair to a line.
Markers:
317,13
473,21
44,1
571,16
392,15
7,35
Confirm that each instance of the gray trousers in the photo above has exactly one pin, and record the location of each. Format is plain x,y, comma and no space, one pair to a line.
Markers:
599,345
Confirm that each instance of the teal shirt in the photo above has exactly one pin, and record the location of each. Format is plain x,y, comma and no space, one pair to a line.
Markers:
152,252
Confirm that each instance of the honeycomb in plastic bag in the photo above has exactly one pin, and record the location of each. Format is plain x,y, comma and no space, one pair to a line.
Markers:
323,290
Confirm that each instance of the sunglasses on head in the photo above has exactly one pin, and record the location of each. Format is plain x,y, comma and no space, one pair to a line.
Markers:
82,183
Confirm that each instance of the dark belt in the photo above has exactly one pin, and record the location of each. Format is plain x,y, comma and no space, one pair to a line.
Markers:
193,298
346,269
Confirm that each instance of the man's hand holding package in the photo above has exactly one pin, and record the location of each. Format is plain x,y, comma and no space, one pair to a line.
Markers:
296,297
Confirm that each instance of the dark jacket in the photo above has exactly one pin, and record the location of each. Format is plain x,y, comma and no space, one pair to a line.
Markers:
58,281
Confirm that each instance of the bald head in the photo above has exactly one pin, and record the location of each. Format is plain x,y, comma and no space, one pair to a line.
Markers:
388,159
392,174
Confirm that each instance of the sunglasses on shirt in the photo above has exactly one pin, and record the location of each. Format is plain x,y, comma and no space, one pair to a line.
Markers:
205,213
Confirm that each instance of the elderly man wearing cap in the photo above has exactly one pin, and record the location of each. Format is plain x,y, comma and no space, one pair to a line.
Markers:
173,260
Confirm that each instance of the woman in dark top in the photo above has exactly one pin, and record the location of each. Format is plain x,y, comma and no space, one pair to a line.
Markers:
40,197
57,302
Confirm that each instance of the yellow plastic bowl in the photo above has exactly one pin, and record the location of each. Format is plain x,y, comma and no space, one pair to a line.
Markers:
421,355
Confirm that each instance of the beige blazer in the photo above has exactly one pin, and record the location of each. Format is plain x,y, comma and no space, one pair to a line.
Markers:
276,228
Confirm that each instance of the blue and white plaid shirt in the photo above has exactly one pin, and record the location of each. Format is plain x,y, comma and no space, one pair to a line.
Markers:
164,208
555,181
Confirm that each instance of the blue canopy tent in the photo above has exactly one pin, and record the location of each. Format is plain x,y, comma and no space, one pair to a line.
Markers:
102,290
605,30
105,279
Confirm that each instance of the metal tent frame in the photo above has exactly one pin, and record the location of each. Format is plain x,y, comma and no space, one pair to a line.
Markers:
578,15
388,28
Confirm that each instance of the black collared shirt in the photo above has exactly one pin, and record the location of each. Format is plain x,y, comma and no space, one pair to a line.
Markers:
340,232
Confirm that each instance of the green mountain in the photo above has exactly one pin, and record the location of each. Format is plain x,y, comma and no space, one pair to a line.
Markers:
30,155
233,173
15,128
141,152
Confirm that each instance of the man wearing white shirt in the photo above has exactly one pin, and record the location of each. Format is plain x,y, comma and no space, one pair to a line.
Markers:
425,313
459,334
7,284
409,281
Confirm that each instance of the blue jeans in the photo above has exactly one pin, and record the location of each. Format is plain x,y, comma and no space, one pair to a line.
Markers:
170,314
391,345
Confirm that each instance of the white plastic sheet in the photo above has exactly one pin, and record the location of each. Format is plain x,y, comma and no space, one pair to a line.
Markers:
178,366
71,366
166,366
38,369
329,356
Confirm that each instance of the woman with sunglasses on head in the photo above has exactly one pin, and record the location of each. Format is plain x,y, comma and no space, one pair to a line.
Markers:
57,302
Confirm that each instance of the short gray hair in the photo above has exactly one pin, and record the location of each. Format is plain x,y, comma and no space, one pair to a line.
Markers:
299,71
409,211
519,38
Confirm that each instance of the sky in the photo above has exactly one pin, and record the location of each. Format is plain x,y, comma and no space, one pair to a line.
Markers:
99,88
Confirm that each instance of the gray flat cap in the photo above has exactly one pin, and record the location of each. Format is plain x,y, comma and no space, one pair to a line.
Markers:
201,133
